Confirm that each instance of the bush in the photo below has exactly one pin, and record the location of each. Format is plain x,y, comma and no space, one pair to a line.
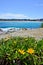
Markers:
21,51
42,25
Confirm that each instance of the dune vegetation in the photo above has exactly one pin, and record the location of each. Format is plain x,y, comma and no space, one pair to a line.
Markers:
21,51
42,25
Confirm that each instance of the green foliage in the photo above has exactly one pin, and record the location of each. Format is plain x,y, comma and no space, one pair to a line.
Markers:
42,25
9,50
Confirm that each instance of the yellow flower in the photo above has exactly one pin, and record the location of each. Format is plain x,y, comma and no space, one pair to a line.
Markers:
21,51
31,51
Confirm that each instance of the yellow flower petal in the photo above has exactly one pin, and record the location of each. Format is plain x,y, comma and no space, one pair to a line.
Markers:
31,51
21,51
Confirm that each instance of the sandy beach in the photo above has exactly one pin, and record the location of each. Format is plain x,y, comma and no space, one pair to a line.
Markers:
36,33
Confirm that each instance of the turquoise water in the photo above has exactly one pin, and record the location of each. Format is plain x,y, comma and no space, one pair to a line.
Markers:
20,24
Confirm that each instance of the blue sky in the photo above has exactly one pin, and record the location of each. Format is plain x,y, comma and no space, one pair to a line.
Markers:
21,8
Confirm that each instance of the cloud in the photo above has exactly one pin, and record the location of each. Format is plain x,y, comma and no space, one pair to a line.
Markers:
11,16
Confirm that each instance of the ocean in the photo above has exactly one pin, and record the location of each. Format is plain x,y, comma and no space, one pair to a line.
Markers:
20,24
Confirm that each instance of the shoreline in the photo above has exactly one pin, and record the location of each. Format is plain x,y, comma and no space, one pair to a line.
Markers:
21,19
36,33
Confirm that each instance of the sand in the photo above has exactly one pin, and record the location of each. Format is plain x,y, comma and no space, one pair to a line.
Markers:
36,33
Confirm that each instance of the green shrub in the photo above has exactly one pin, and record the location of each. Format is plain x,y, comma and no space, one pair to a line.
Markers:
42,25
27,50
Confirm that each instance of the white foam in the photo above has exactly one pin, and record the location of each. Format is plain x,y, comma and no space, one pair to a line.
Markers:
6,29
